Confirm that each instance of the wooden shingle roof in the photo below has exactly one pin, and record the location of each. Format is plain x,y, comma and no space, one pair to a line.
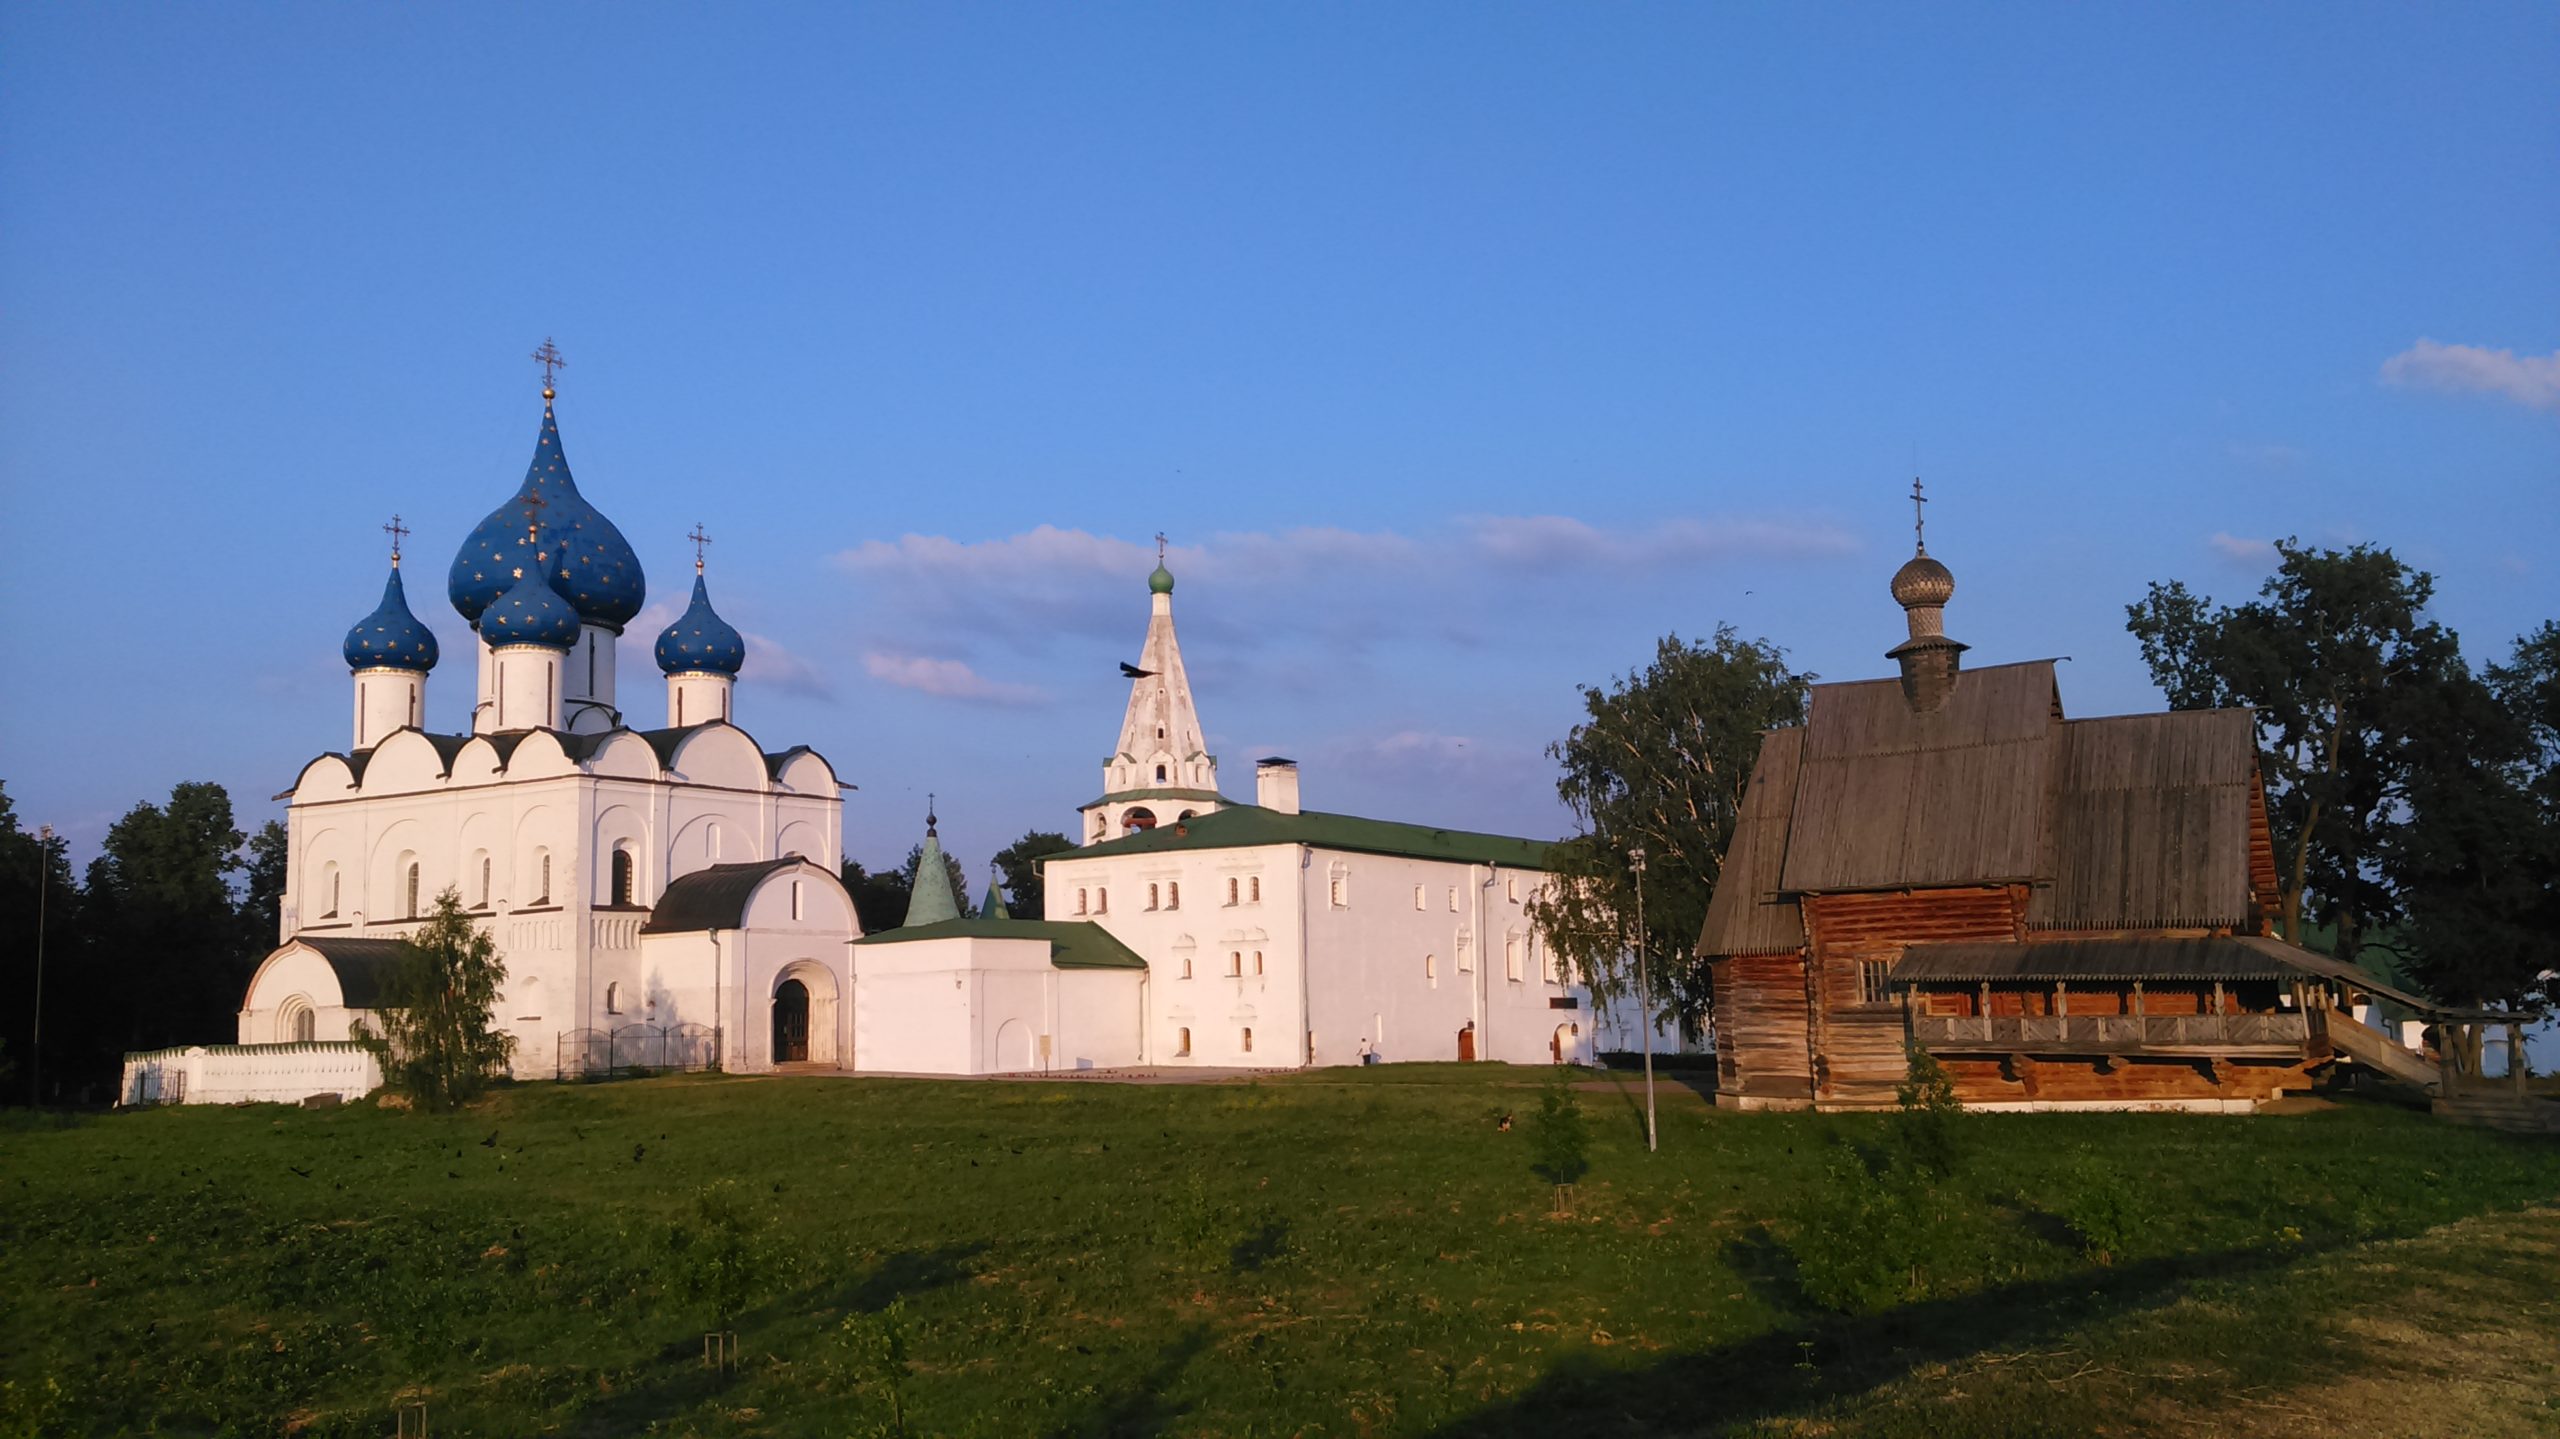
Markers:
1746,914
2149,823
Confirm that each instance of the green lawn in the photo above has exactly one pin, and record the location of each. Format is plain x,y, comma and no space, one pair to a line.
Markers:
1346,1253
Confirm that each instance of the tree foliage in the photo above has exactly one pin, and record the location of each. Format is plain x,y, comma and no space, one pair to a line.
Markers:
434,1039
2344,671
879,898
1019,863
1660,762
2477,866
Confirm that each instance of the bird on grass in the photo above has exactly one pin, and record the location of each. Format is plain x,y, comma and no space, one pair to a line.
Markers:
491,1142
305,1173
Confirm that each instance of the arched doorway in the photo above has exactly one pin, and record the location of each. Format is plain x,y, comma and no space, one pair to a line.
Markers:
1013,1048
1567,1044
790,1022
1467,1042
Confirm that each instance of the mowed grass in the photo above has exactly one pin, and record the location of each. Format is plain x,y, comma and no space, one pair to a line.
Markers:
1339,1253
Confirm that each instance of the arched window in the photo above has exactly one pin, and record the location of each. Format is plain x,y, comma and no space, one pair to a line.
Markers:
1151,896
1253,888
329,887
1159,774
1080,903
1173,894
621,876
1248,1039
1257,961
412,887
1186,966
1235,962
542,877
484,881
1418,900
713,842
295,1023
1511,957
613,997
1137,820
1231,889
1431,968
1102,901
1183,1050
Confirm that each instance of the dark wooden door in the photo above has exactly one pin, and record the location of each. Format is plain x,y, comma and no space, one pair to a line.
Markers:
790,1022
1467,1042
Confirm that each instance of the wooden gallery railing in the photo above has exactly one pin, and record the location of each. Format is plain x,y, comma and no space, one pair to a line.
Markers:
2111,1033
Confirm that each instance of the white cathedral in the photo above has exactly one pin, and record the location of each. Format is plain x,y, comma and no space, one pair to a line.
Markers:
670,895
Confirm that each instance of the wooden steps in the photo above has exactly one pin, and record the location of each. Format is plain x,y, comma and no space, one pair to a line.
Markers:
2493,1109
2371,1047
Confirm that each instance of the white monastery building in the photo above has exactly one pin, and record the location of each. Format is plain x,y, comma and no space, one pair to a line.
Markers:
670,895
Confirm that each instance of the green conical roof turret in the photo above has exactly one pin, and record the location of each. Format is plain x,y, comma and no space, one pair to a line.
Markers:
932,900
993,906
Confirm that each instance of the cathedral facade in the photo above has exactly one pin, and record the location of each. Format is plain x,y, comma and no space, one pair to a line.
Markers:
669,894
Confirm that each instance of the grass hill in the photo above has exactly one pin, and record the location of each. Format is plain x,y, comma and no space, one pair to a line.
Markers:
1359,1252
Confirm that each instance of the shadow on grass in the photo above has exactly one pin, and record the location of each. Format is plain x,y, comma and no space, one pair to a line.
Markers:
675,1380
1266,1243
1143,1407
1798,1370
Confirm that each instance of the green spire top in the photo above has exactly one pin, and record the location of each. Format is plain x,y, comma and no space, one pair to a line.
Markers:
932,900
992,907
1161,582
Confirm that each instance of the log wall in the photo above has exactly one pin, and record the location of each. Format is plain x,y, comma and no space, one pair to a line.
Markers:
2023,1080
1760,1027
1857,1047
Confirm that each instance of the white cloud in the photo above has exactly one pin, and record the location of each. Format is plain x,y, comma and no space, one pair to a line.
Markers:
1562,542
947,679
2532,380
769,663
2238,550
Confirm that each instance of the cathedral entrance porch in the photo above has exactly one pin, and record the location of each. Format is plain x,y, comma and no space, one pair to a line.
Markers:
801,1016
790,1022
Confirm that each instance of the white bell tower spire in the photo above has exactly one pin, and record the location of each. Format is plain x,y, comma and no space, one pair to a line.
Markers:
1162,770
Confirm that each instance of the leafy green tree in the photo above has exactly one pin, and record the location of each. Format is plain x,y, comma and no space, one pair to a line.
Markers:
29,870
2477,865
262,889
434,1040
2341,665
1019,863
879,900
1559,1142
1660,762
160,904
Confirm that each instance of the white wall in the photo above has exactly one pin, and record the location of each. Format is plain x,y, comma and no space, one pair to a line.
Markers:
243,1074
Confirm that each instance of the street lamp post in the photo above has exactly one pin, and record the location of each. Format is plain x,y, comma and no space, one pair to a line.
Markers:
44,891
1644,1000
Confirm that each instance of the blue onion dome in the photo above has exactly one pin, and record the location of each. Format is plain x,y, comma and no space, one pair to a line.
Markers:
593,566
531,612
1161,582
700,642
391,637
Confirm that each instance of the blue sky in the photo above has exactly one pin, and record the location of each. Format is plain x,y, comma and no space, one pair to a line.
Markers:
1462,351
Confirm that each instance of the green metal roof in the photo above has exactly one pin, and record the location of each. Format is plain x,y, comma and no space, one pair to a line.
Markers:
931,901
1202,796
1244,825
1073,943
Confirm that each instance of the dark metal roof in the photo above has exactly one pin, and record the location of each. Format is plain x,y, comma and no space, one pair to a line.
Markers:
1890,797
1073,943
1241,825
2219,957
715,898
2149,823
364,966
1746,914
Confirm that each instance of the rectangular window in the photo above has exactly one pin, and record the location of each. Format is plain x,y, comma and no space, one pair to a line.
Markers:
1248,1041
1873,987
1546,959
1173,894
795,899
1418,900
1231,890
1431,968
1235,962
1511,957
1453,899
1514,889
1253,888
1338,887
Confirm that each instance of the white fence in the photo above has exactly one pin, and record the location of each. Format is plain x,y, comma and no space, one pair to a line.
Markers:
249,1073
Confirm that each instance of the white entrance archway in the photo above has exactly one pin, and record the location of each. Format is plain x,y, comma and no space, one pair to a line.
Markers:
801,1015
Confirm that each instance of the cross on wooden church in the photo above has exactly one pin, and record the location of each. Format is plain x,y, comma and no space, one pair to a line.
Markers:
1919,529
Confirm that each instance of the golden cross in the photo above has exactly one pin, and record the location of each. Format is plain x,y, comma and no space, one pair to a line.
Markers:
1919,532
398,532
699,540
548,357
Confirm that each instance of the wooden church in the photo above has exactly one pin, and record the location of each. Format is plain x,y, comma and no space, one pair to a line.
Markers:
2064,913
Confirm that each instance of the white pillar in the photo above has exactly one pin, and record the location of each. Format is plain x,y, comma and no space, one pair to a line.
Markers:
587,678
484,699
697,697
528,687
386,699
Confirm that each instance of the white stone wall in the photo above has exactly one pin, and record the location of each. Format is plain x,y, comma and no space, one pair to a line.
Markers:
990,1006
1406,977
249,1073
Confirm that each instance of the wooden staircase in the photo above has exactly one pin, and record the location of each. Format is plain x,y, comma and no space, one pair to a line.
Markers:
2376,1050
2501,1109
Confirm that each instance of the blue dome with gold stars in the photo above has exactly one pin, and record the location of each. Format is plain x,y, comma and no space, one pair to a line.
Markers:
700,642
531,612
391,637
591,566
